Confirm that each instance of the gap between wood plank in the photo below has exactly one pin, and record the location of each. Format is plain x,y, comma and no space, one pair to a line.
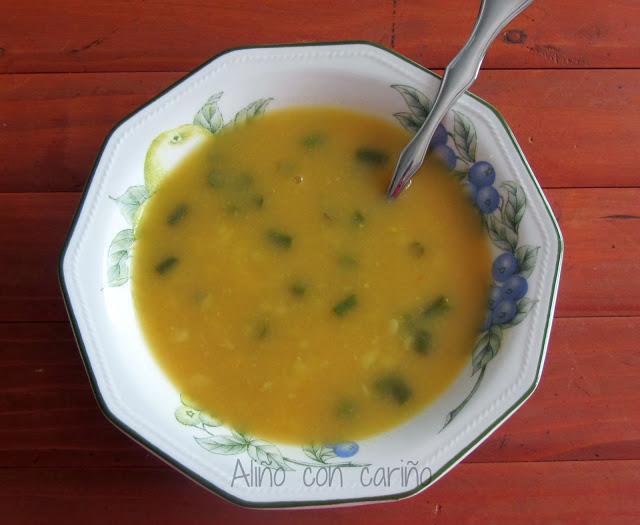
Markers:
438,70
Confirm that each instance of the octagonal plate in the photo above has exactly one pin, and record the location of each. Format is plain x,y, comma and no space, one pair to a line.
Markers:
504,367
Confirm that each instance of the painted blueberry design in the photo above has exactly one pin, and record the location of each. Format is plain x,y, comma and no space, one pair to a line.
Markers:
502,205
345,450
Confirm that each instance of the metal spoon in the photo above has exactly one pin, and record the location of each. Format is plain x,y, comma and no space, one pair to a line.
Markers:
459,75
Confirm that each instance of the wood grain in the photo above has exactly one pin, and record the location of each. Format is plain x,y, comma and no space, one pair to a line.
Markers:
586,404
600,226
549,34
601,229
577,128
32,230
63,35
62,120
118,35
576,493
584,409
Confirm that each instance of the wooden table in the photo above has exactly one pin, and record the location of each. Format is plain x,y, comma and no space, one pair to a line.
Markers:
565,74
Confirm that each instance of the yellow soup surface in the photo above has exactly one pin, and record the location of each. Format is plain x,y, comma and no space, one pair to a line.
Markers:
281,291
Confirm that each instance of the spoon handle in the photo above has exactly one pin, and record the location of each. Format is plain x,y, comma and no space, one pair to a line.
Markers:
458,76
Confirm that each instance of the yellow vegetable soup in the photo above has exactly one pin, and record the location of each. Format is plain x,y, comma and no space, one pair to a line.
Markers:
285,296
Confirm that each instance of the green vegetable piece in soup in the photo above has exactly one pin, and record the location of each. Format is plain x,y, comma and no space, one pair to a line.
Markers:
216,179
371,156
346,409
421,341
314,140
328,216
408,323
279,239
258,201
166,264
394,387
232,210
298,289
178,213
416,249
348,262
261,330
346,305
358,218
201,296
437,307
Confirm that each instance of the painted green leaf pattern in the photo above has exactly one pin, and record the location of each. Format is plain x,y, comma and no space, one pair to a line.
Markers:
266,454
227,445
486,348
118,258
310,453
408,121
319,453
451,415
130,202
464,137
257,107
419,104
501,234
527,256
514,205
209,116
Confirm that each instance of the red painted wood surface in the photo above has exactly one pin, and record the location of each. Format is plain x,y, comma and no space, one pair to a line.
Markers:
120,35
566,75
552,34
565,492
